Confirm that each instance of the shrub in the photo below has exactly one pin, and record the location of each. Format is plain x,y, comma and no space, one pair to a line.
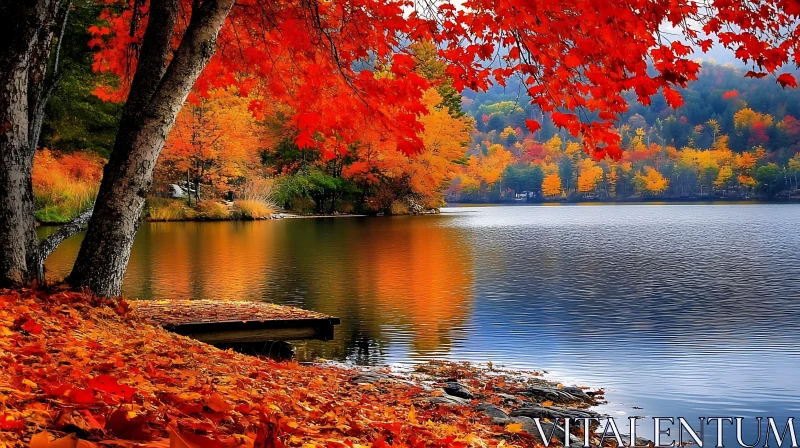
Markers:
213,210
259,189
343,206
398,208
257,199
253,209
161,209
64,184
303,205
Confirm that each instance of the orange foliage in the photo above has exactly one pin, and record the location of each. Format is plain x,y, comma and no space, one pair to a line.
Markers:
551,185
216,139
309,57
77,363
65,184
428,172
730,94
651,181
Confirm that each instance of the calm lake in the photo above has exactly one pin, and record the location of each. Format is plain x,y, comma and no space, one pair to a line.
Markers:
680,310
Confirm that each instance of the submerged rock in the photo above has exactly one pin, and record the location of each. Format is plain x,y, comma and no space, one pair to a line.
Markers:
565,395
492,411
455,389
552,412
370,377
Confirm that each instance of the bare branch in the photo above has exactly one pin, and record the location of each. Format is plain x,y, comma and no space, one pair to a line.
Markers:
79,223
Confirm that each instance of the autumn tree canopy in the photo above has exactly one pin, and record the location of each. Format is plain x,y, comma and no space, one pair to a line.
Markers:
576,57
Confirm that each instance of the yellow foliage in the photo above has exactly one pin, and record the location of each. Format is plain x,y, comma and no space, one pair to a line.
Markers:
724,176
551,185
650,182
746,117
253,209
490,168
613,176
445,139
507,131
590,175
794,163
573,151
553,146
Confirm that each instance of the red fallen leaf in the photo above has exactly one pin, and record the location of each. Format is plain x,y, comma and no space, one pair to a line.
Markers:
266,437
33,328
79,395
7,424
394,427
196,426
189,440
136,428
54,389
33,349
42,440
109,385
243,408
93,421
217,403
190,408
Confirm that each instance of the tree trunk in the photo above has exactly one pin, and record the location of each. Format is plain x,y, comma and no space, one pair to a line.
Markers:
26,28
157,94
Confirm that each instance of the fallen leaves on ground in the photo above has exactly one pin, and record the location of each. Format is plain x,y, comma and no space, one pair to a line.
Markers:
80,371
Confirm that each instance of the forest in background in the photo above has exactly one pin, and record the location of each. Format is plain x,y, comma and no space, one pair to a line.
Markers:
734,137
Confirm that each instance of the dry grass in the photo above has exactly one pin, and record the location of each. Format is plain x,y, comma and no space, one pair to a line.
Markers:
64,184
259,189
253,209
399,208
213,210
160,209
257,199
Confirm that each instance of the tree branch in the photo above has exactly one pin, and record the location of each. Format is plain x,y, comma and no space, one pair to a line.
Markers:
79,223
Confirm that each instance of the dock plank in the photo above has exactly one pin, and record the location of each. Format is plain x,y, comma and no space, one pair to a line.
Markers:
223,322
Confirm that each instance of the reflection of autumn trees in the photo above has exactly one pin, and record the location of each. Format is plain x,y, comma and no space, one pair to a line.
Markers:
412,275
429,288
226,261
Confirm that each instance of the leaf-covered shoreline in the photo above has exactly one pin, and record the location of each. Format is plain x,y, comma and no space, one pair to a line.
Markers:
72,363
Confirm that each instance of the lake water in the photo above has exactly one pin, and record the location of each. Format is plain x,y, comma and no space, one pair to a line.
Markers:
680,310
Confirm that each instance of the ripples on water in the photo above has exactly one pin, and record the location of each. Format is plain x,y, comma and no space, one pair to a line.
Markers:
683,310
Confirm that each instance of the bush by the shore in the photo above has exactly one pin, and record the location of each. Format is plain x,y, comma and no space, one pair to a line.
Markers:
164,209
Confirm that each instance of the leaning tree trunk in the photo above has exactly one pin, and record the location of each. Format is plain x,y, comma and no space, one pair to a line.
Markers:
157,93
26,28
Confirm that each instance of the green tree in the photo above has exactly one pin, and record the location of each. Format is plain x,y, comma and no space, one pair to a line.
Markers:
769,177
75,119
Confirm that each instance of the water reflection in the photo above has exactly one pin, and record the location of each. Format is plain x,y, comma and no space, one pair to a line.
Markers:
684,310
395,280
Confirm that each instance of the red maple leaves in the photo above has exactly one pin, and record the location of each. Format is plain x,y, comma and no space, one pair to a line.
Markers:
345,62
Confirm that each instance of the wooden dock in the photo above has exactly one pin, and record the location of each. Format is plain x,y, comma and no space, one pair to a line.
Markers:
224,322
